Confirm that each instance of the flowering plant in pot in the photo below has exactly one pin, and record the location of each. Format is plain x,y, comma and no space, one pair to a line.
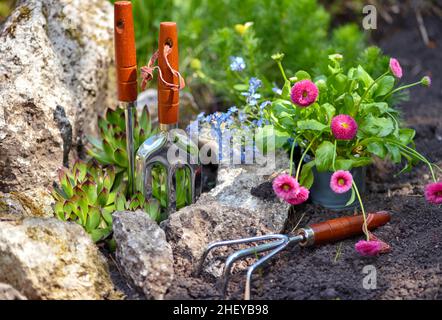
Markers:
342,120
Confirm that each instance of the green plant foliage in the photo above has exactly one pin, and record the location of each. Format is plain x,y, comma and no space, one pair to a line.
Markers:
210,32
346,91
110,148
89,194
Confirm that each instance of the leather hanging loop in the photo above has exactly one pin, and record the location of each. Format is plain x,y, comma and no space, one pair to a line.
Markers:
125,51
168,97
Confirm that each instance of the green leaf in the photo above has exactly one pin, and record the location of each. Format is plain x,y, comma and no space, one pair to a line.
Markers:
352,197
59,211
265,134
380,127
362,75
90,188
406,135
107,216
377,148
93,219
286,89
302,75
120,157
120,202
393,152
324,156
306,178
102,197
241,87
361,161
329,110
343,164
378,107
100,234
311,124
384,86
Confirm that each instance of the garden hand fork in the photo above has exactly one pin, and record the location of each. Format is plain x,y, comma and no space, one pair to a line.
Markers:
126,63
316,234
170,148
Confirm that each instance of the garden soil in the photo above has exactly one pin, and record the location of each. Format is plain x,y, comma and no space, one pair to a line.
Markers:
413,269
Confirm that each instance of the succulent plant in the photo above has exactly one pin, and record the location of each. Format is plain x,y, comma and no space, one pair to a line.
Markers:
89,194
110,148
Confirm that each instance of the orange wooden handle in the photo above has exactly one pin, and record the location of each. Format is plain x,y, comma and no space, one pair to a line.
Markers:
168,98
345,227
125,51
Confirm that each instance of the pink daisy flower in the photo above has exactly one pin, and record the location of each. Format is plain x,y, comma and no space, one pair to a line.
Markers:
285,186
304,93
369,248
433,192
299,197
395,68
344,127
341,181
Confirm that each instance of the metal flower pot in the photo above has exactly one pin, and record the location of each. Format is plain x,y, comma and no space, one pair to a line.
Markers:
322,194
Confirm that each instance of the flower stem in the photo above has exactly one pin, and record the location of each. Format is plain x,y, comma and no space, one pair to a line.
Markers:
282,71
401,88
365,226
334,157
291,156
303,156
369,88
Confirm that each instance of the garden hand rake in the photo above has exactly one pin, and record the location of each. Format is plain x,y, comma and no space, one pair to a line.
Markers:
170,148
316,234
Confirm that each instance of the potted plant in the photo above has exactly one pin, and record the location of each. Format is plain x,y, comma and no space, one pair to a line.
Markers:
341,120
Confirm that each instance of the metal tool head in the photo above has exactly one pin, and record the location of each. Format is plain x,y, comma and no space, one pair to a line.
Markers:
172,151
273,243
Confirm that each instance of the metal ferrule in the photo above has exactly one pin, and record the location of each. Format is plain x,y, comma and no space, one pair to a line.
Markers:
309,236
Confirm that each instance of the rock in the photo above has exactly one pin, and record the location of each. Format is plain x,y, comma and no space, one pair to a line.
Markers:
7,292
51,259
143,252
55,57
192,228
16,206
235,185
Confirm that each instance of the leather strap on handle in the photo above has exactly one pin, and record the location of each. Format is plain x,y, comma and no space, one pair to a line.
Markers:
125,51
346,227
168,98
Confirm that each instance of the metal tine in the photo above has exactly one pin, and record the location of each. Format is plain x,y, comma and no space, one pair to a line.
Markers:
245,253
257,264
171,188
218,244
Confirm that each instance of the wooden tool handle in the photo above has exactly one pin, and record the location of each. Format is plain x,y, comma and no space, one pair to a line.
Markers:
345,227
168,98
125,51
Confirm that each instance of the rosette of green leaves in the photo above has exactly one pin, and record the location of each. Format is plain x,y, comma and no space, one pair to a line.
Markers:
89,194
86,195
110,147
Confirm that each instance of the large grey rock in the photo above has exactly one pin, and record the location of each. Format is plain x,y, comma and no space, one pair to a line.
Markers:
7,292
191,229
234,186
143,252
55,57
16,206
51,259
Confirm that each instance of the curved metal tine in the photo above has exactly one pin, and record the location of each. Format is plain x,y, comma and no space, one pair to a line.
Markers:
245,253
171,189
218,244
257,264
